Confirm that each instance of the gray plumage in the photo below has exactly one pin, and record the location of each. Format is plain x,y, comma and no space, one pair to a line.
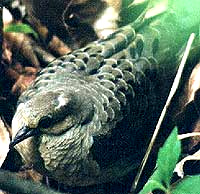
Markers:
90,105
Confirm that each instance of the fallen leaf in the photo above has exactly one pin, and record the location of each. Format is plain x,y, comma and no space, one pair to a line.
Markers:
194,82
179,166
24,80
7,17
3,192
23,43
30,174
189,115
7,54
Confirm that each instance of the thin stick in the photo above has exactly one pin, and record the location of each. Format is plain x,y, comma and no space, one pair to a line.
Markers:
187,135
171,94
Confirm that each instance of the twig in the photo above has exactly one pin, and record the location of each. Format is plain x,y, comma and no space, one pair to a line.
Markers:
187,135
11,183
171,94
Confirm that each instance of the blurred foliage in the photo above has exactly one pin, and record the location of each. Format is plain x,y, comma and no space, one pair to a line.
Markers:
21,28
130,11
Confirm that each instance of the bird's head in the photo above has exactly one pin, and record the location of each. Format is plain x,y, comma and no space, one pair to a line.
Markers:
52,113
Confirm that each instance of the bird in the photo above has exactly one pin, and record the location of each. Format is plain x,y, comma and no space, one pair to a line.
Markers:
83,121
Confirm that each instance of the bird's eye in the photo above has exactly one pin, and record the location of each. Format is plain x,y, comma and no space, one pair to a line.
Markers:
72,20
45,122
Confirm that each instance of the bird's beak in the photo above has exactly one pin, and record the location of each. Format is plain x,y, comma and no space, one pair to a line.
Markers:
23,134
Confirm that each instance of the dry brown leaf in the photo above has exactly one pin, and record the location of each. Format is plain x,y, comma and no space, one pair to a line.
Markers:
194,82
107,22
12,74
4,141
29,48
179,166
189,113
24,81
30,174
7,54
193,86
3,192
56,45
7,17
23,43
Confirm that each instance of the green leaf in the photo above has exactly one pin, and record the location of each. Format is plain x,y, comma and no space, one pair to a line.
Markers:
188,11
167,158
21,28
189,185
130,10
153,183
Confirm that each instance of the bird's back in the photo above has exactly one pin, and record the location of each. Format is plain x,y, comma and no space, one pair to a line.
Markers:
95,106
